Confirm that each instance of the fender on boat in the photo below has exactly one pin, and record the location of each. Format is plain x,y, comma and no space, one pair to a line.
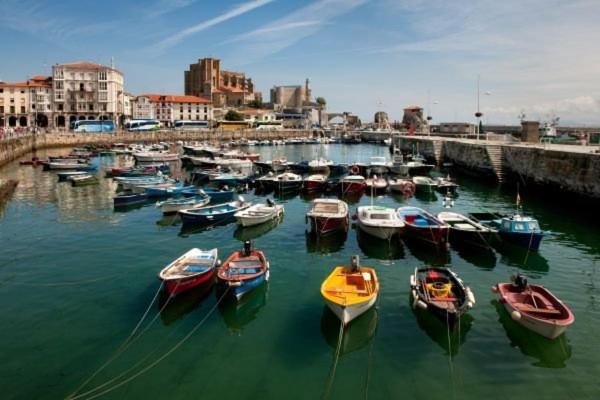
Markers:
515,315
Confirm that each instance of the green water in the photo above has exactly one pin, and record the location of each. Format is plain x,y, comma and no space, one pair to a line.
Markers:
75,278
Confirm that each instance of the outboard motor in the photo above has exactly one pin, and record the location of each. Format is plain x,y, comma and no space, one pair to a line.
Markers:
270,203
520,282
247,248
355,263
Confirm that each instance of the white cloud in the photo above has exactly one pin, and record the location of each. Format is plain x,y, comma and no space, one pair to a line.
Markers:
161,7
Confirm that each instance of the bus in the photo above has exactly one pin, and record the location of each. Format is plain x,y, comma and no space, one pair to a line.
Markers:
94,126
190,125
140,125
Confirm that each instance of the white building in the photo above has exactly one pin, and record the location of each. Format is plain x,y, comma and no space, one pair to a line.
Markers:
86,90
170,108
26,104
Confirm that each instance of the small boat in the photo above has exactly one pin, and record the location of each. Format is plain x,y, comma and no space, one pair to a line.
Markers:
84,180
328,215
406,187
153,156
72,165
172,206
216,195
442,293
65,175
381,222
398,167
358,169
350,291
287,182
424,184
465,230
424,226
129,199
319,165
376,185
338,169
379,166
189,271
259,213
220,213
352,184
314,183
446,185
516,229
535,307
299,167
243,271
265,182
417,166
165,191
233,179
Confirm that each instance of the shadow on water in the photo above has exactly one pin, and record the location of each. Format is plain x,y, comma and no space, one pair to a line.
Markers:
426,197
286,195
399,198
169,220
380,249
252,232
426,253
351,199
357,334
437,330
133,207
548,353
307,197
192,229
478,256
520,257
182,304
239,313
325,244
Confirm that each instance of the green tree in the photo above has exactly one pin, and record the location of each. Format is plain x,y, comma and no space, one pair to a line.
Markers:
233,115
321,101
256,103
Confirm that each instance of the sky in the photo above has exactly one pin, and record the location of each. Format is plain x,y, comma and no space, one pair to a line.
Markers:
537,57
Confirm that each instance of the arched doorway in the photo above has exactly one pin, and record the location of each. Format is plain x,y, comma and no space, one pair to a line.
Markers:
60,121
12,121
42,121
90,117
23,121
82,117
1,122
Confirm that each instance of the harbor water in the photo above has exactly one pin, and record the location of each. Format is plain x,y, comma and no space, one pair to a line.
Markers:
76,276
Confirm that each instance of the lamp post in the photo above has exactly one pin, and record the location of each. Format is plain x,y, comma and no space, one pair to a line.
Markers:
479,114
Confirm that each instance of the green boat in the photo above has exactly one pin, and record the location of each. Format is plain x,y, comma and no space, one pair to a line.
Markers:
84,180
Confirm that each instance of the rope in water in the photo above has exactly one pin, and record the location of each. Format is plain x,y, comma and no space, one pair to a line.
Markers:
335,362
127,342
158,360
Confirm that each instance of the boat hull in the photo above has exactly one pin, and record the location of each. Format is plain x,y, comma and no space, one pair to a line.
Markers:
380,232
328,226
313,186
177,286
471,238
353,187
434,236
528,240
348,313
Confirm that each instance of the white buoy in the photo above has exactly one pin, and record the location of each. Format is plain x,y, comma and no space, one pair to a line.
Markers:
422,305
470,297
494,289
413,281
515,315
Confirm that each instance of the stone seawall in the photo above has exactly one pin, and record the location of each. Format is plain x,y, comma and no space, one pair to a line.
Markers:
574,169
14,148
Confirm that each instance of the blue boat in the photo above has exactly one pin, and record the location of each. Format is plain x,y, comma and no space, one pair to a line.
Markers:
516,229
216,196
213,214
129,199
87,168
243,271
174,190
172,206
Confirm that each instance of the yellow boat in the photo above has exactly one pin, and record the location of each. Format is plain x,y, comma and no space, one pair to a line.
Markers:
349,291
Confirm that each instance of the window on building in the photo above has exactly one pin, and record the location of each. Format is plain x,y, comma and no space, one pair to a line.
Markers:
205,110
1,109
1,90
12,99
72,107
33,106
103,107
59,84
60,107
197,117
12,109
82,87
102,85
91,107
22,92
102,96
22,109
102,75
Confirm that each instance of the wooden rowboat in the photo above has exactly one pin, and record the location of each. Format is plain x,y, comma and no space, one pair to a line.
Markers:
190,270
243,271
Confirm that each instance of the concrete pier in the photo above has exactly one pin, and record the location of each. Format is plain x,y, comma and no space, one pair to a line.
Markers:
571,168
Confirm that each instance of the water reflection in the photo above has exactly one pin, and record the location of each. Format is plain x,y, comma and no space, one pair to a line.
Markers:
193,229
239,313
169,220
548,353
438,331
426,253
357,334
522,258
478,256
380,249
426,197
176,307
351,198
252,232
325,244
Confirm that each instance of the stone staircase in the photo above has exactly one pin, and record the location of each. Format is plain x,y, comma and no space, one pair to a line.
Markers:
437,151
496,160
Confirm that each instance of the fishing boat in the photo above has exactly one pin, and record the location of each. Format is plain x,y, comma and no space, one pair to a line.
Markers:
464,230
417,166
535,307
376,185
84,180
446,185
166,191
398,167
424,184
350,291
172,206
287,182
381,222
266,182
314,183
153,156
328,216
352,184
216,195
62,165
442,293
129,199
406,187
378,165
243,271
233,179
65,175
259,213
424,226
220,213
300,167
192,269
516,229
319,165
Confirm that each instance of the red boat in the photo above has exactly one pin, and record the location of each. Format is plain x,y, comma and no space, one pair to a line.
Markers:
424,226
328,215
243,271
314,183
535,307
190,270
352,184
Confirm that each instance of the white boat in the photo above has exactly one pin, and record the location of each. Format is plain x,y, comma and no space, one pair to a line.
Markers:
319,165
259,213
66,165
381,222
378,165
151,156
172,206
404,186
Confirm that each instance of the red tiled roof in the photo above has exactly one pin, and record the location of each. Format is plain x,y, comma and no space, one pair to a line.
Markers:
169,98
24,84
231,89
39,78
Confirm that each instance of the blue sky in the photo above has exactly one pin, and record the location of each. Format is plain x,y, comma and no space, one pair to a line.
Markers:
537,56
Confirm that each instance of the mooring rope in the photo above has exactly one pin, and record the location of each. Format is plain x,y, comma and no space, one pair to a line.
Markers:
158,360
335,362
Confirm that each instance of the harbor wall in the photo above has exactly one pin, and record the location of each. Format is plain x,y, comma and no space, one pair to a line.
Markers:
13,148
565,168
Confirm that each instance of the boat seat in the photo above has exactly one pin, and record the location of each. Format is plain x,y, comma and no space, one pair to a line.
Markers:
466,227
356,291
531,309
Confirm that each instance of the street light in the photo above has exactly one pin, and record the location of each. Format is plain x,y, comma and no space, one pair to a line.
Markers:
479,114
